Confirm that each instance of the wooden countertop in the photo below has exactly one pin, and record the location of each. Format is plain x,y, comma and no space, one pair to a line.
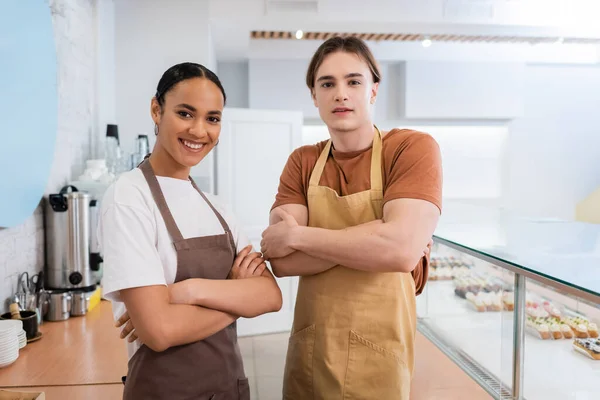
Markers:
111,391
79,351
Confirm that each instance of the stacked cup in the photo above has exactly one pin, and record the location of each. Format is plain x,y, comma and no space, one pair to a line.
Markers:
11,339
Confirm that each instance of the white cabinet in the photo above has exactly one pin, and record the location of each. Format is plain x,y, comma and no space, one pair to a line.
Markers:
253,149
461,90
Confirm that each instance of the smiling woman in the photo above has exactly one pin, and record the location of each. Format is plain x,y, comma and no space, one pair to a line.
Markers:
187,112
28,106
175,264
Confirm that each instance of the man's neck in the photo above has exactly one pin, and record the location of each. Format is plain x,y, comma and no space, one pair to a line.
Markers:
164,165
356,140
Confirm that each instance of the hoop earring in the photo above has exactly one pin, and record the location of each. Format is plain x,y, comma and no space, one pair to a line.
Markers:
155,130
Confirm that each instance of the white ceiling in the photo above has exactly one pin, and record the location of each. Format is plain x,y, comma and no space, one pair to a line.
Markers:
233,20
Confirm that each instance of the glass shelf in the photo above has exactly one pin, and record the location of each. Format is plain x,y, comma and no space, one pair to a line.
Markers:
562,254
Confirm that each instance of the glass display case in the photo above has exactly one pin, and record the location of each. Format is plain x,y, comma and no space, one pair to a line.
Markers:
515,302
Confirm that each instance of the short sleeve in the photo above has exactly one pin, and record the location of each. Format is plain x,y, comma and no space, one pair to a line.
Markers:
127,238
416,171
291,186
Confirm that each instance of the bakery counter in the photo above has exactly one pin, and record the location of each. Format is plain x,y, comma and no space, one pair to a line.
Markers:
515,303
79,351
113,391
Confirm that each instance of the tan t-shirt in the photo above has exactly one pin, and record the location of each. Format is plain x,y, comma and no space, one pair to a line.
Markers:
411,164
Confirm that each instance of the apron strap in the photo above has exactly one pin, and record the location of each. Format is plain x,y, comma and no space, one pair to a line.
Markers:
224,223
159,198
317,171
376,174
178,240
219,216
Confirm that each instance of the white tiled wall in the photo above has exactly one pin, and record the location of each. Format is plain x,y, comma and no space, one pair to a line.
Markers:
22,247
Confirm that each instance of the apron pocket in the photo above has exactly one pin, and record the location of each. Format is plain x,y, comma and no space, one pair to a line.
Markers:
374,372
243,389
298,373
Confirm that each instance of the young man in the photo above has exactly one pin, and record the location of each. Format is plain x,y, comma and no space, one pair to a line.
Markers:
354,217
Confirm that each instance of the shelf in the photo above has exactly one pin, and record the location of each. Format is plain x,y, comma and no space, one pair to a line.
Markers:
553,370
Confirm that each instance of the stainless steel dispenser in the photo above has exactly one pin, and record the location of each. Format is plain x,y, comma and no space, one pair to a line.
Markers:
70,239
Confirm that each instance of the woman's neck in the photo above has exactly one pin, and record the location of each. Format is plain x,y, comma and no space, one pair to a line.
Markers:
356,140
165,165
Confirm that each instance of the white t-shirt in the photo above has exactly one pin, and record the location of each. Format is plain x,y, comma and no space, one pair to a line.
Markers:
134,241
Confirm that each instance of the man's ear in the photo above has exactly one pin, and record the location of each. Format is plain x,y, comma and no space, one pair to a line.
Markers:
374,90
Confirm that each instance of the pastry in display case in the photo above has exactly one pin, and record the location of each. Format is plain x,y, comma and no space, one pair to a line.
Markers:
447,268
588,347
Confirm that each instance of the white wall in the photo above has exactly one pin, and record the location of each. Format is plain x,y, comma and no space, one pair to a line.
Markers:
464,90
554,150
105,107
234,77
22,247
280,85
153,35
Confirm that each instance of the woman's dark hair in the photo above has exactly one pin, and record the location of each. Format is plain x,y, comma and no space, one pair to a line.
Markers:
347,44
182,72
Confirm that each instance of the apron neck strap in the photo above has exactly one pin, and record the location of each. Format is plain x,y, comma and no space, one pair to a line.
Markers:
315,177
376,175
218,214
159,198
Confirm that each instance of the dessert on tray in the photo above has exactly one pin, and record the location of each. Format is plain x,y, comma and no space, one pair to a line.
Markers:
556,331
593,330
589,347
476,301
581,326
485,301
535,311
538,328
447,268
566,331
551,309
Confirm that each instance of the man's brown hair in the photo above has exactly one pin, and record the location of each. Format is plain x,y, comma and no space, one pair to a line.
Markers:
346,44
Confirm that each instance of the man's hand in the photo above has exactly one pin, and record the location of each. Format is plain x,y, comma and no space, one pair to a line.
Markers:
128,329
277,238
247,265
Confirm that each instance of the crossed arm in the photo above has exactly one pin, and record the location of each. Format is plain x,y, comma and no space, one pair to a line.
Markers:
394,244
194,309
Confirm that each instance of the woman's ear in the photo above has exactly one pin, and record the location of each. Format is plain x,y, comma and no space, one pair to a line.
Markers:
155,111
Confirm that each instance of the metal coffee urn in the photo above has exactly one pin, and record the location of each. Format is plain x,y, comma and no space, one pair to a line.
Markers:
71,245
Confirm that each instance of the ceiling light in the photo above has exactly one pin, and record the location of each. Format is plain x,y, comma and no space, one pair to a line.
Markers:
299,34
426,42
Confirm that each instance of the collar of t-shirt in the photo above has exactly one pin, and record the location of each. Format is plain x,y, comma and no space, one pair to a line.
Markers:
348,155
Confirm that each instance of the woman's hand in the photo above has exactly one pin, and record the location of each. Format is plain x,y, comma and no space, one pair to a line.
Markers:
129,329
181,292
247,264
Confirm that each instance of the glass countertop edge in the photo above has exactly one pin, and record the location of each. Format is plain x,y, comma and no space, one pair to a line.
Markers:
595,296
